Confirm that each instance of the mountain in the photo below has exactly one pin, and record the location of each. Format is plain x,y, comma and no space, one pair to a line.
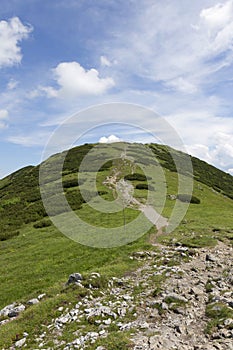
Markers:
37,259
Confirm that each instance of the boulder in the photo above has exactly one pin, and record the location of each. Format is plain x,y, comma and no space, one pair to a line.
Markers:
74,278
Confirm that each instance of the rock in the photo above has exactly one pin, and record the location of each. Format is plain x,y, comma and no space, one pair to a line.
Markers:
19,308
100,348
20,342
41,296
95,275
127,297
211,258
63,320
228,322
74,278
12,313
108,321
196,291
180,329
6,309
177,297
33,301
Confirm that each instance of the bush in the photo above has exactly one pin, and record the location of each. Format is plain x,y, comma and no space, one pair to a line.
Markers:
5,235
136,176
188,198
42,224
144,187
70,183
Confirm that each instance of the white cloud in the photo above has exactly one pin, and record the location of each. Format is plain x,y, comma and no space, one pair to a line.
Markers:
3,118
105,62
182,85
219,23
109,139
12,84
178,44
11,33
218,15
230,171
34,139
206,136
75,81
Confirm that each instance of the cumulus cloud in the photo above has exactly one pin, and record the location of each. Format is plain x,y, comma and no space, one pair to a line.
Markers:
218,15
74,80
3,118
219,22
219,153
109,139
11,33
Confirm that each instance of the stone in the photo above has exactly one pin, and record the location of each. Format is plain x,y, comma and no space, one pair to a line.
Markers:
228,322
33,301
74,278
20,342
41,296
19,308
108,321
211,258
177,297
12,313
6,309
196,291
95,275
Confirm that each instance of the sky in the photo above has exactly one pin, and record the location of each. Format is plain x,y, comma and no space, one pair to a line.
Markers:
174,57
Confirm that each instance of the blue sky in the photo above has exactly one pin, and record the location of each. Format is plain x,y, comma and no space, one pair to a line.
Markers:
59,57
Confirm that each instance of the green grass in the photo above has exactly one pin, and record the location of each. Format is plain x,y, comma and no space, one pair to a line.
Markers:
217,313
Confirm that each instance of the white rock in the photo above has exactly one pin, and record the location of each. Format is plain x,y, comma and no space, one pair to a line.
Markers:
33,301
108,321
41,296
20,342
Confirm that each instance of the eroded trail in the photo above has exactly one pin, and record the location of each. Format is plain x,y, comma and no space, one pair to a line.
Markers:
124,190
205,282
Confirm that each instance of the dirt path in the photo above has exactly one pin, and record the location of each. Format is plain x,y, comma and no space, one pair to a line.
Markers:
124,190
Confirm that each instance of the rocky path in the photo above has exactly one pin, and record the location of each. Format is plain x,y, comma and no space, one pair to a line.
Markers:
182,325
162,305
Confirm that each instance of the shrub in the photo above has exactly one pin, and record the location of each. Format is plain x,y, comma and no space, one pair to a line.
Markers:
42,224
144,187
188,198
70,183
135,176
5,235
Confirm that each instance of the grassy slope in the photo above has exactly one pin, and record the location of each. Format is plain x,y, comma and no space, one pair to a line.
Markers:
40,260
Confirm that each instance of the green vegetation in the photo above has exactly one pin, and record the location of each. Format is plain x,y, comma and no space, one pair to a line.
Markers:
217,314
202,171
188,199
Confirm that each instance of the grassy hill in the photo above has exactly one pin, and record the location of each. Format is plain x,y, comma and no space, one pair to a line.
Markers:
36,258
